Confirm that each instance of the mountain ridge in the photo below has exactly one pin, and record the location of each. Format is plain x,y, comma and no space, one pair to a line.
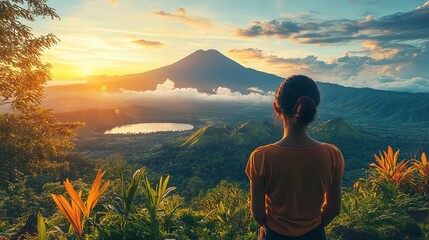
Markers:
210,69
203,69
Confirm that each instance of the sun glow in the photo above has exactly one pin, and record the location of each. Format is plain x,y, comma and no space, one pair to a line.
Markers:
84,70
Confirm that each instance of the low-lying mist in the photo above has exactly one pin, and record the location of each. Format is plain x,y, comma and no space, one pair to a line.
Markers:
165,94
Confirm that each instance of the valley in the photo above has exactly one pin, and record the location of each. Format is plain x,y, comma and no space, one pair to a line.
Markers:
213,152
230,107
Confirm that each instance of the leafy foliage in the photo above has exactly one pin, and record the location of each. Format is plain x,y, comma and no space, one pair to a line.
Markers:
41,227
29,135
383,212
35,139
422,168
388,169
153,198
78,208
227,206
22,73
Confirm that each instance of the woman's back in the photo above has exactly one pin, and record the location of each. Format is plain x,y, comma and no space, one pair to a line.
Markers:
295,184
295,180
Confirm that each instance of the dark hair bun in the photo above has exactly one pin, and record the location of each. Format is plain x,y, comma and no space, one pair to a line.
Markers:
297,98
305,110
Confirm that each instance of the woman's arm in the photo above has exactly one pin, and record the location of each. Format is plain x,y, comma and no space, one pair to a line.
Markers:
257,198
332,205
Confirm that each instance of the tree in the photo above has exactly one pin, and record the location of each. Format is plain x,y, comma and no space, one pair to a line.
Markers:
22,73
30,137
32,143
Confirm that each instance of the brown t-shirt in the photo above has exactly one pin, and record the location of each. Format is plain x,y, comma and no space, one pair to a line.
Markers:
295,182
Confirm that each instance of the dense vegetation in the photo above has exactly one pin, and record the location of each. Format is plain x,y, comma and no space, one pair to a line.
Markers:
392,202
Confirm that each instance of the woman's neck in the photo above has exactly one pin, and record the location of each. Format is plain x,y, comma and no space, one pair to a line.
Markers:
296,138
295,133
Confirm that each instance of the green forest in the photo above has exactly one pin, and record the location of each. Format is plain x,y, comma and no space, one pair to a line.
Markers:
62,180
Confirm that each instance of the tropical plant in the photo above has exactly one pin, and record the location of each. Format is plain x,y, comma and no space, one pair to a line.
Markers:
151,218
74,211
128,193
170,207
422,168
388,168
41,227
116,222
223,214
153,198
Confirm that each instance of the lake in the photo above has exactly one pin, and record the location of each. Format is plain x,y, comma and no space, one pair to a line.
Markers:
149,128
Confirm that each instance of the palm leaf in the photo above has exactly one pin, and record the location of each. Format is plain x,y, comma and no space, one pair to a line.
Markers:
41,227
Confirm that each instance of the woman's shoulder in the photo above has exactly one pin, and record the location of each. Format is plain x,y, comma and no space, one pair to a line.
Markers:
332,147
334,153
261,148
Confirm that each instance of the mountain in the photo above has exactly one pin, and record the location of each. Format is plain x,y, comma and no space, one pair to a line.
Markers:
250,133
207,70
204,70
338,129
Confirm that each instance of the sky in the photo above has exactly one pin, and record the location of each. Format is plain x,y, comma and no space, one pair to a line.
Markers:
381,44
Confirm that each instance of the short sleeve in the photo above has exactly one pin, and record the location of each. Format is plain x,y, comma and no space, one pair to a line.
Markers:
338,163
254,168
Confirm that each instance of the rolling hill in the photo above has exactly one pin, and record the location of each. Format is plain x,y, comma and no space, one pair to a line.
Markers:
253,133
208,135
339,130
250,133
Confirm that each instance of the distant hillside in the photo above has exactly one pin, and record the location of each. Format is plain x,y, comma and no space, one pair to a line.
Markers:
375,104
338,129
249,134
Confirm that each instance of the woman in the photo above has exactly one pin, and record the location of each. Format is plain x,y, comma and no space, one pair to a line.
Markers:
295,183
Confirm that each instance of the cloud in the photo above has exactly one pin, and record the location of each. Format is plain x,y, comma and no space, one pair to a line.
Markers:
147,43
168,90
397,73
181,15
405,60
403,26
415,85
246,53
344,66
255,89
